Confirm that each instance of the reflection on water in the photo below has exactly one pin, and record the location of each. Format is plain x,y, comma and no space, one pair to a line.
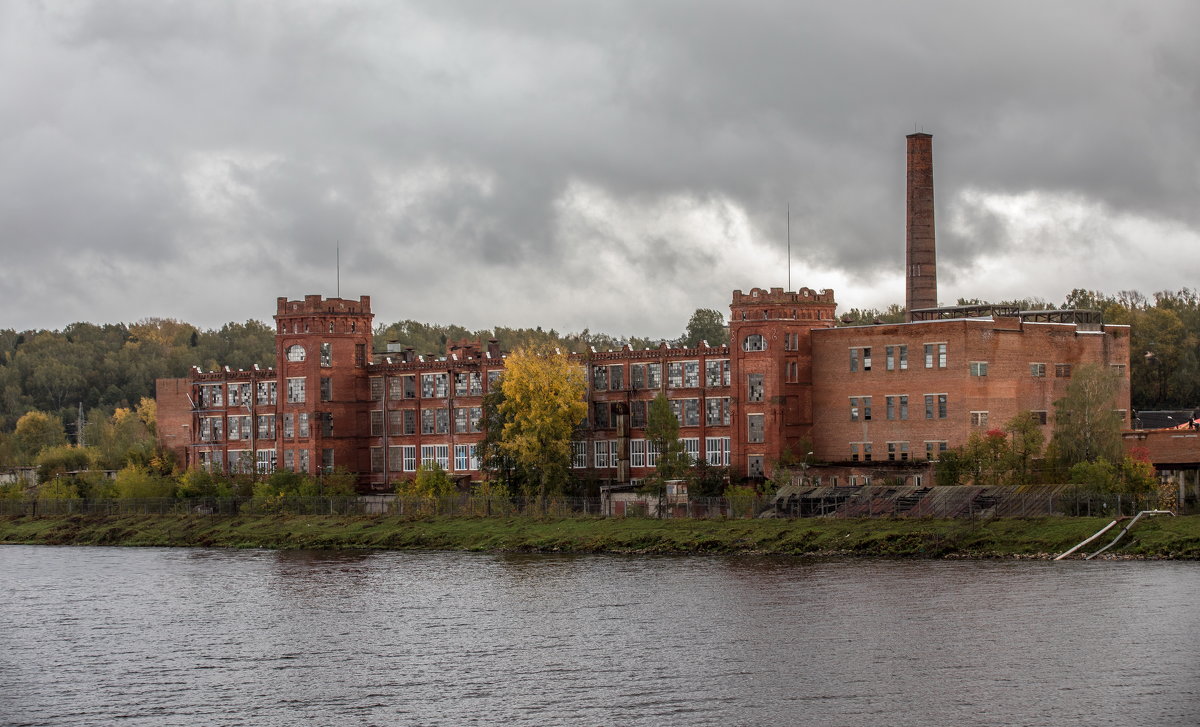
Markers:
157,637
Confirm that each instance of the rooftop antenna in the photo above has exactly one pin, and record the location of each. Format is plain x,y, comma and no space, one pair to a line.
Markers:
338,262
789,241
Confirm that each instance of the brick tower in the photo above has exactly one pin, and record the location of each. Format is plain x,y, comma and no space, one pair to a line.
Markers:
322,346
770,350
920,252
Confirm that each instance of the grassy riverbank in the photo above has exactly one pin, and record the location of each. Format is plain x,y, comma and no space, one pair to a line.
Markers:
1159,537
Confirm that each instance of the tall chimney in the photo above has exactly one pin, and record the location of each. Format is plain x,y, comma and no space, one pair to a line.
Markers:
920,250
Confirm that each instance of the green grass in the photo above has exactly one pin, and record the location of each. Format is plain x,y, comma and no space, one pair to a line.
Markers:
1035,537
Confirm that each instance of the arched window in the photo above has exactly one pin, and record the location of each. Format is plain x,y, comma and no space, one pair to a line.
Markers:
295,353
754,342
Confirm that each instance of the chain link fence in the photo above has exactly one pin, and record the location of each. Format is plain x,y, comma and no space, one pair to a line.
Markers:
791,502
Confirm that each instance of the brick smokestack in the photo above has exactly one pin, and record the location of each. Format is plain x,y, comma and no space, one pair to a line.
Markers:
920,250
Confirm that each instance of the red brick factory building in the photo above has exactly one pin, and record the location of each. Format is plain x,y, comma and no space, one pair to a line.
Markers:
873,400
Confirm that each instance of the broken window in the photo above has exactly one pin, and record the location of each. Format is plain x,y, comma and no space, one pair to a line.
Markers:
754,386
435,386
289,425
674,375
326,388
716,410
637,414
616,378
600,378
266,426
653,375
377,423
691,374
266,392
754,428
637,373
327,354
295,391
716,373
600,415
691,413
754,342
302,427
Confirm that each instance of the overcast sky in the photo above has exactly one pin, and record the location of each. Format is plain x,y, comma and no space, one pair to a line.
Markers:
604,165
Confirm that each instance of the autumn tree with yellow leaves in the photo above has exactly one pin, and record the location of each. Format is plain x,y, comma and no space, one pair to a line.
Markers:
543,404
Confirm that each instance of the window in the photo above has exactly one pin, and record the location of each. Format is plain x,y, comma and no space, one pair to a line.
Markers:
377,459
326,419
301,425
1039,417
897,407
896,357
716,373
578,455
395,459
210,429
653,375
792,372
289,426
409,452
754,466
435,386
467,419
889,356
637,414
616,378
651,454
675,375
465,459
637,453
866,356
600,412
903,357
637,374
326,388
266,426
691,413
438,454
934,449
360,351
493,378
935,353
978,368
754,386
326,354
289,460
691,374
853,360
403,387
791,342
295,391
1037,370
754,428
600,378
377,423
266,392
302,460
1118,368
295,352
266,461
860,406
935,406
410,422
601,451
754,342
1062,371
210,396
716,411
716,451
979,418
239,394
462,383
691,448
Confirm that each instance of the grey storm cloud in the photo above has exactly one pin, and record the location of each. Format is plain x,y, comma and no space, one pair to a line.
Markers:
603,165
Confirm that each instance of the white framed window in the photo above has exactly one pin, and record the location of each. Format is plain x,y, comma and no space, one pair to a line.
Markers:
409,452
438,454
600,448
935,355
464,458
1037,370
266,461
979,418
934,449
716,451
579,455
651,454
637,453
295,352
978,368
691,448
754,342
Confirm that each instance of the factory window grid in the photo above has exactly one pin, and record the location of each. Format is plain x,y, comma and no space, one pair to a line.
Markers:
978,368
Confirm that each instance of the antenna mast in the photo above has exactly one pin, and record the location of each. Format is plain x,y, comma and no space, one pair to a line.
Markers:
338,264
789,241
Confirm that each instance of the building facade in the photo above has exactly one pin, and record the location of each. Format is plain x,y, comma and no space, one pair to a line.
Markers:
790,386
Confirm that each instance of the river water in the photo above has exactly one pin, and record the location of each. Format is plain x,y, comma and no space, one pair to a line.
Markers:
98,636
